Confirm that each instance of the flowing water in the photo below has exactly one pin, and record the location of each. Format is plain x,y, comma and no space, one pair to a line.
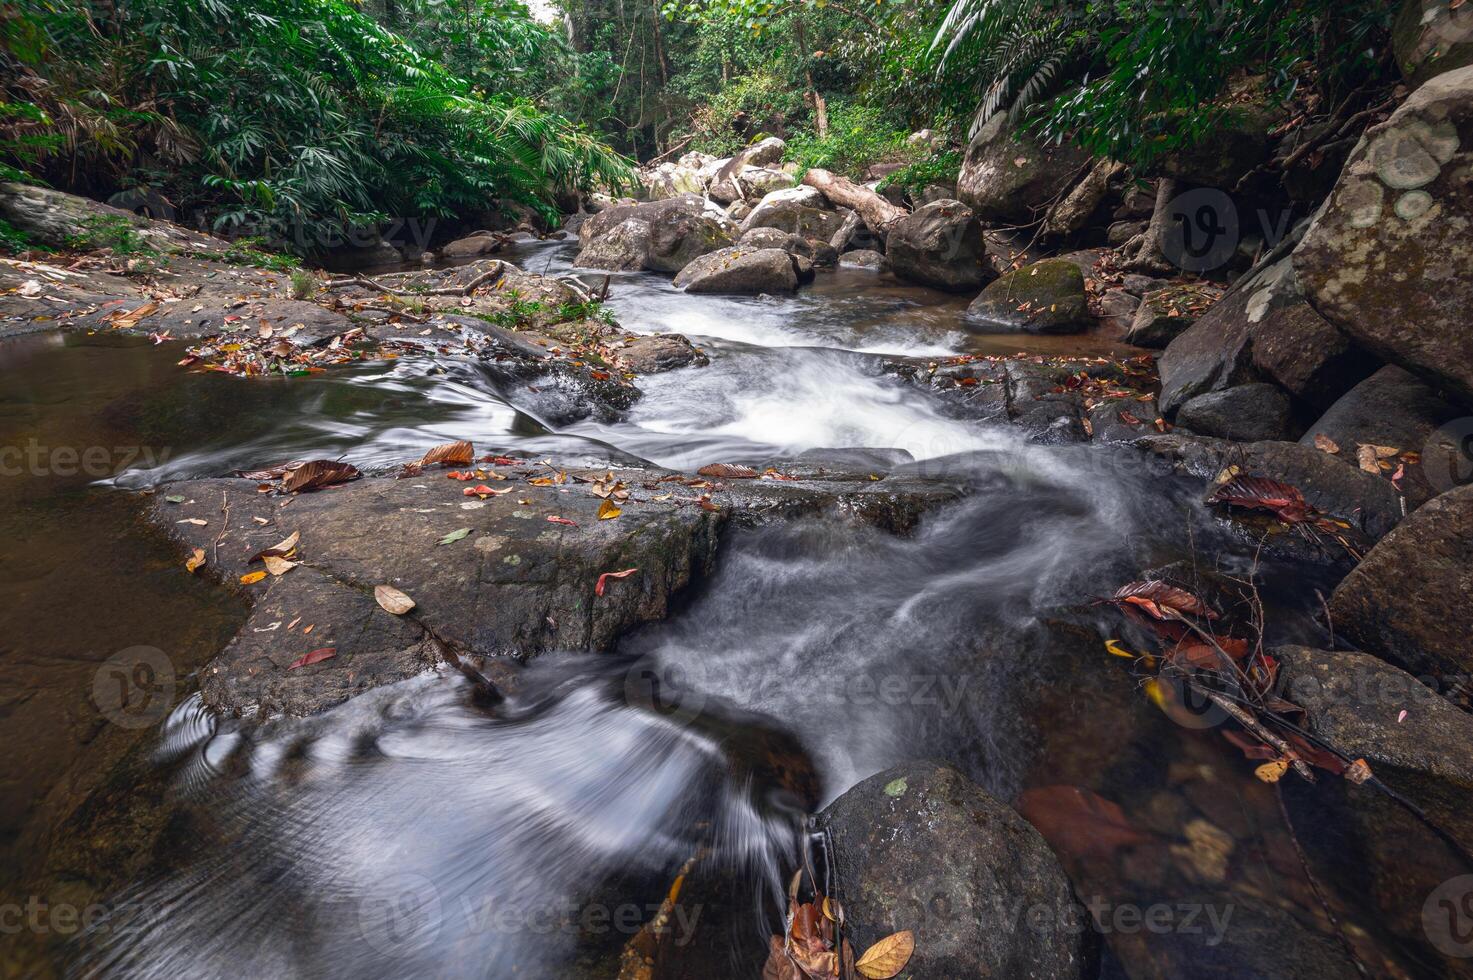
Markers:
421,830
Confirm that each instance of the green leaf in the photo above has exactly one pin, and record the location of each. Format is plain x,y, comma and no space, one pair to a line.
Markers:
455,535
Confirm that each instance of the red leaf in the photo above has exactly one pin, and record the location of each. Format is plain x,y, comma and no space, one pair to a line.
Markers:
1261,493
1161,600
554,519
1077,822
502,461
1199,653
728,471
315,657
603,580
318,473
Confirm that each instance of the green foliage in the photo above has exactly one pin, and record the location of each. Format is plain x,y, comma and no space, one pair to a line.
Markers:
768,104
1136,79
304,285
13,240
300,119
112,232
858,137
940,168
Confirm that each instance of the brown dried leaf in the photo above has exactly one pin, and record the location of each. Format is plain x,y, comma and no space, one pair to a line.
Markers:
315,657
195,561
888,956
1261,493
728,471
318,473
1161,600
392,600
450,454
1325,444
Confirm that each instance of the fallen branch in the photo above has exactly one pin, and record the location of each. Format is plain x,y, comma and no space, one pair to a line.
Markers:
878,213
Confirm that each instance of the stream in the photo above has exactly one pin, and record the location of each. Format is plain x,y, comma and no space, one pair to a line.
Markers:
420,830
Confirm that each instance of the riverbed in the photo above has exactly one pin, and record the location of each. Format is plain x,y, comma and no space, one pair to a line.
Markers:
422,831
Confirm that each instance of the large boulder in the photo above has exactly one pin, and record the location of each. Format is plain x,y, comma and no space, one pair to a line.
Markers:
919,847
1393,408
60,220
725,184
1410,600
798,210
819,253
1387,257
1262,329
623,248
740,270
757,182
1248,413
680,229
940,244
670,180
1045,297
1007,176
1165,314
1429,37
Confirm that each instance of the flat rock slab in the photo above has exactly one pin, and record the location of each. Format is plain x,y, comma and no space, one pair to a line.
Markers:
514,584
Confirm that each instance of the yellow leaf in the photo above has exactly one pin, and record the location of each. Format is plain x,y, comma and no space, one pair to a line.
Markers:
887,957
1271,772
1154,692
195,560
392,600
608,510
252,578
1113,646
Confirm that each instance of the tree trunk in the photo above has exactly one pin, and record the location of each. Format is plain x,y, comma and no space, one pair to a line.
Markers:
659,44
1143,253
878,213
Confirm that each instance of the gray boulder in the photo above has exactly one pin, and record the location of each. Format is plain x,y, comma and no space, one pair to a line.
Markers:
819,253
680,229
670,180
798,210
725,185
740,270
919,847
757,182
1408,601
1165,314
1248,413
474,244
1387,258
1045,297
1006,176
623,248
940,244
862,258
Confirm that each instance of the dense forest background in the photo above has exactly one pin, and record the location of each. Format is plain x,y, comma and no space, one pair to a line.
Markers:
261,116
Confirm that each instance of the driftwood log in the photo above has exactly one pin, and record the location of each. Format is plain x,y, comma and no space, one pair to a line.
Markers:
878,213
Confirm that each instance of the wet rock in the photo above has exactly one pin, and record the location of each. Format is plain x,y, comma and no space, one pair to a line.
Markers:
1165,314
1430,37
479,243
1368,503
1394,408
1118,309
940,245
920,847
1408,601
738,211
862,258
1248,413
798,210
515,585
819,253
1121,232
1138,285
680,230
1356,701
740,270
660,352
1007,177
937,192
1075,212
1045,297
1213,354
670,180
1386,259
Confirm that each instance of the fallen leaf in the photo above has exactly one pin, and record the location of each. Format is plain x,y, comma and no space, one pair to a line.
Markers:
392,600
197,522
450,454
315,657
1077,822
195,561
278,566
1161,600
1358,771
251,578
174,498
603,580
1261,493
728,471
555,519
1114,647
888,956
608,510
1271,772
455,535
1324,443
282,548
318,473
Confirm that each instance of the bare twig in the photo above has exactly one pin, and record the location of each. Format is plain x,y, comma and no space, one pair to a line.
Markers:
1314,885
